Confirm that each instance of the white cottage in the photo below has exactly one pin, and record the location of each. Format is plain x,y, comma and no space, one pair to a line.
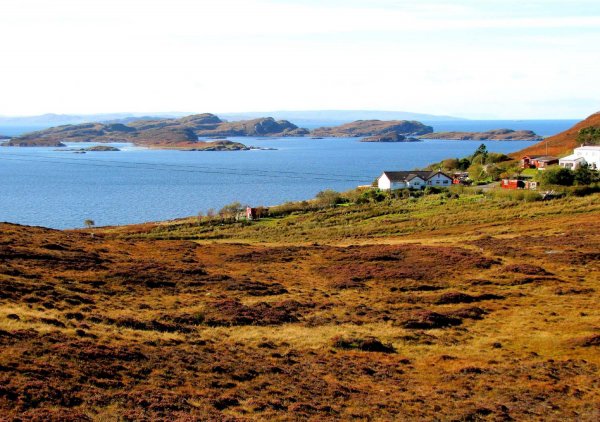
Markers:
412,179
589,155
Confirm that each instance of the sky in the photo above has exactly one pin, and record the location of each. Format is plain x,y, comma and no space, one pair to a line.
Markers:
498,59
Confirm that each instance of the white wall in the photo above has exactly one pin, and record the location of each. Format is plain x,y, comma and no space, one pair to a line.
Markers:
591,155
416,183
383,182
438,180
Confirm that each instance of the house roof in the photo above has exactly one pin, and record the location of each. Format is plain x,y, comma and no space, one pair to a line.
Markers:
546,158
572,157
540,157
407,176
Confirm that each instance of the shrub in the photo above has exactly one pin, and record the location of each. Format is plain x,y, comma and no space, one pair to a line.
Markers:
329,198
557,176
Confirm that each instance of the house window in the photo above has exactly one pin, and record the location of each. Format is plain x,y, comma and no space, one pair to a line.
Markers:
445,182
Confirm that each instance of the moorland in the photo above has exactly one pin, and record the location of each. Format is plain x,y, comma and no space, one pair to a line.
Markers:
458,305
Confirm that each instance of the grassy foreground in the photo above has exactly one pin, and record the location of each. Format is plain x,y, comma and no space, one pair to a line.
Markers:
468,307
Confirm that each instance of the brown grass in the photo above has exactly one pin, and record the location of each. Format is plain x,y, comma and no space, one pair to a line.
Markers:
480,321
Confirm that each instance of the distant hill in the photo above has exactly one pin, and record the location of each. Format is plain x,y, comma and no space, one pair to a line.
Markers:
51,119
562,143
315,118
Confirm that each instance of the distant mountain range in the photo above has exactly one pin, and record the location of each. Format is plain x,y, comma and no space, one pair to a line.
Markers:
309,119
312,119
51,119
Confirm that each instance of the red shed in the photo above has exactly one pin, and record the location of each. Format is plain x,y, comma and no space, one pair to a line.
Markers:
512,184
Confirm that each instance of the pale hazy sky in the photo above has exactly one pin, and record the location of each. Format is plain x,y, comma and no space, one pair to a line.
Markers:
470,58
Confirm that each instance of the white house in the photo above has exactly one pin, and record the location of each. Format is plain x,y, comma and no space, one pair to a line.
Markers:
412,179
585,154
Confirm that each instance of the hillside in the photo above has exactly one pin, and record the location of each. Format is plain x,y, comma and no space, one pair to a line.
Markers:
562,143
163,133
448,308
491,135
374,128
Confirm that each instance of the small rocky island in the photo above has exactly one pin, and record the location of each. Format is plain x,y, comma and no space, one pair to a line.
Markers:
100,148
491,135
220,145
390,137
368,128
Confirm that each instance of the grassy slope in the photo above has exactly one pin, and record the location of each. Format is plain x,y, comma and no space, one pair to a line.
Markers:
126,324
561,144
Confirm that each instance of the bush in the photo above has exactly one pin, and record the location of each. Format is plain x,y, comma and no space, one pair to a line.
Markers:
557,176
583,175
329,198
375,195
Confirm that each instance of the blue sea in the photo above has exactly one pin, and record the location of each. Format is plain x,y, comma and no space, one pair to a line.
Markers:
60,189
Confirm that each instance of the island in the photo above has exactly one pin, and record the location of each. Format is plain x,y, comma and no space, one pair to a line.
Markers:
390,137
4,138
491,135
182,133
100,148
367,128
220,145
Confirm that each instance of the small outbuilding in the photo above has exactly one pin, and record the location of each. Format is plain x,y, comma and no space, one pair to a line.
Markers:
256,213
518,182
538,161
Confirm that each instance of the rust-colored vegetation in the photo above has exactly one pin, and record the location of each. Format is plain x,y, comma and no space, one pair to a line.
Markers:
562,143
462,309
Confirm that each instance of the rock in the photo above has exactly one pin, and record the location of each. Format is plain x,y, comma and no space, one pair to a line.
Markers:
367,344
427,320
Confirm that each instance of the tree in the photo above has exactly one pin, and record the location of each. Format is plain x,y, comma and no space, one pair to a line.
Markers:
230,211
494,171
450,164
480,155
89,223
476,172
329,198
463,164
557,176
